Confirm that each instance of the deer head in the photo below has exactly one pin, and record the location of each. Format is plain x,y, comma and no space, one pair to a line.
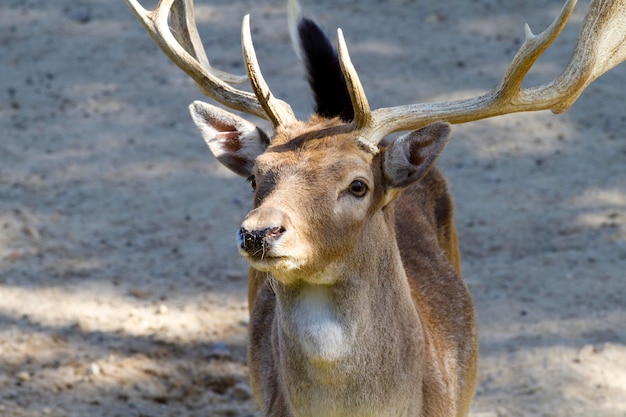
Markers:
343,112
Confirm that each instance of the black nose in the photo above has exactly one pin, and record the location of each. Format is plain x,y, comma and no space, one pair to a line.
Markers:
258,242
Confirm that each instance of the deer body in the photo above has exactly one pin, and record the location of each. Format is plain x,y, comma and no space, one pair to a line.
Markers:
387,363
347,329
355,292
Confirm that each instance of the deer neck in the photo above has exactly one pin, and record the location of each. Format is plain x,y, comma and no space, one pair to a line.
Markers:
331,338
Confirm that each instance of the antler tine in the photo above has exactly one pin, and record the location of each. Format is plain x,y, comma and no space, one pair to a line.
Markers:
186,33
185,49
601,46
362,112
278,112
501,100
530,51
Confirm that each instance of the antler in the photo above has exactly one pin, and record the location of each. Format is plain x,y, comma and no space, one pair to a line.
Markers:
183,46
600,47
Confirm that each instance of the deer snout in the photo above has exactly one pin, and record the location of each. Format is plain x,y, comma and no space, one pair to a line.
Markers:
261,229
257,242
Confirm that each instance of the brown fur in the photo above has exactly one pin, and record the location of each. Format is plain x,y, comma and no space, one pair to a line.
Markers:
441,297
399,286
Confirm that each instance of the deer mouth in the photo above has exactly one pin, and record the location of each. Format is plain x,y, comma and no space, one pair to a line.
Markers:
262,257
274,263
270,261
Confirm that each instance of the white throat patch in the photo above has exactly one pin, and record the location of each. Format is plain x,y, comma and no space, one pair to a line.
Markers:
321,334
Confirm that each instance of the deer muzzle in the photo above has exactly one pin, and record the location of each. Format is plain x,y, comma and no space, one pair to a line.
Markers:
260,231
256,243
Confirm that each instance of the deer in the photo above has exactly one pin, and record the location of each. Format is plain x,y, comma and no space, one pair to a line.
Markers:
356,298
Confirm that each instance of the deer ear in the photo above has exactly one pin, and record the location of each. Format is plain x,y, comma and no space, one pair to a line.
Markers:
234,141
409,157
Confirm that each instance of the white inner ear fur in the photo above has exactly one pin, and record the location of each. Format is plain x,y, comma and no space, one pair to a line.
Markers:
396,162
234,141
211,120
398,168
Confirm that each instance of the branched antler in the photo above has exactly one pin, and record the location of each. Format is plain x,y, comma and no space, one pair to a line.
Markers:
601,46
183,46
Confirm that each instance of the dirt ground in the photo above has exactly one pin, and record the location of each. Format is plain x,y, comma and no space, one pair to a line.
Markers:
121,292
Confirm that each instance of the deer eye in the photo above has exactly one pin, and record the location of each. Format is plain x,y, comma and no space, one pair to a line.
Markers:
357,188
252,180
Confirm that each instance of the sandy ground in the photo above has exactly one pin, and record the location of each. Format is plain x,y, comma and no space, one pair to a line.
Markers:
121,292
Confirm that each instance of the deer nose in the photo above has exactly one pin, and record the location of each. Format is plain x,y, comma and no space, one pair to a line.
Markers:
261,229
257,242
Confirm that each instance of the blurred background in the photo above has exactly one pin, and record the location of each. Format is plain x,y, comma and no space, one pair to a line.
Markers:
121,291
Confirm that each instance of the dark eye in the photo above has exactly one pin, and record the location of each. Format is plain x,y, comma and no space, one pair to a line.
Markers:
357,188
252,180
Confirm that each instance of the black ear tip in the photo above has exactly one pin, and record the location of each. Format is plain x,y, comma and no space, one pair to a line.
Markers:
313,40
324,72
306,25
311,35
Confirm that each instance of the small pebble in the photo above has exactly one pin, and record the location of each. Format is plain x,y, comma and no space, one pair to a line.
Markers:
233,275
93,369
80,15
23,376
162,309
241,391
220,351
586,350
